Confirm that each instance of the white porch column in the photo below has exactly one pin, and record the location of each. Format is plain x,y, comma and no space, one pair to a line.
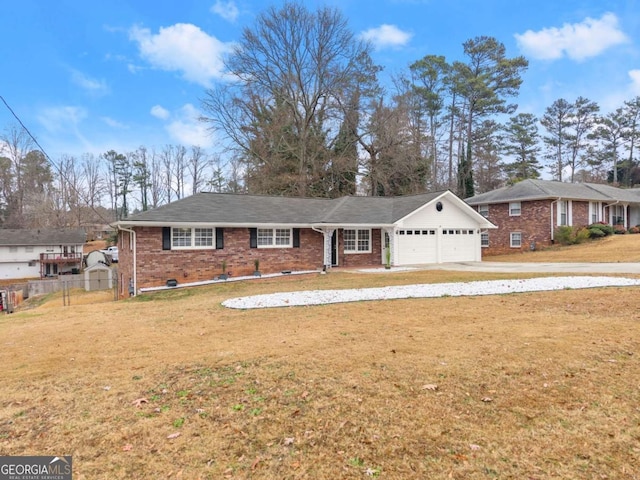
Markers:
389,231
328,233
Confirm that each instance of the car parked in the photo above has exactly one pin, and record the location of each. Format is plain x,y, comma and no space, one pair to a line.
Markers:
112,252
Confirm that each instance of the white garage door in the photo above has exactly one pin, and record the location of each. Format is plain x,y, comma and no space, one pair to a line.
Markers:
458,245
429,245
417,246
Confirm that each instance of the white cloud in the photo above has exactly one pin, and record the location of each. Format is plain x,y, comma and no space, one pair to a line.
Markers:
133,68
226,10
91,85
386,36
160,112
613,98
184,48
577,41
60,119
188,130
114,123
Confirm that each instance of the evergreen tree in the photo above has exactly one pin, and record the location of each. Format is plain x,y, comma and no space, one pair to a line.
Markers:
522,142
485,81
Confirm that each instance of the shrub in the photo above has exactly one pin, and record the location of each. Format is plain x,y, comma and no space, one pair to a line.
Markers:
582,235
600,229
619,230
566,235
635,229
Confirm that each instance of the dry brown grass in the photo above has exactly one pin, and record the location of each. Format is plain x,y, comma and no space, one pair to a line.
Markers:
615,248
528,386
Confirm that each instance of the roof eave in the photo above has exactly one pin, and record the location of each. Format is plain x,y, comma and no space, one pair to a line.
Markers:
156,223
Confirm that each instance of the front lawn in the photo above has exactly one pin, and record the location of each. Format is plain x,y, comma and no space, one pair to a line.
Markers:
173,385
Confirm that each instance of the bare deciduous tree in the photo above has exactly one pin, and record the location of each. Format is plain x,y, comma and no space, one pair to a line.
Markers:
294,71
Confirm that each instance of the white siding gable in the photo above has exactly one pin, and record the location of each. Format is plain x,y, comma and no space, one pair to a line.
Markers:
452,215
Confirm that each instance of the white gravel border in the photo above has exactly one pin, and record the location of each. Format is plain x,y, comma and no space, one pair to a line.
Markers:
490,287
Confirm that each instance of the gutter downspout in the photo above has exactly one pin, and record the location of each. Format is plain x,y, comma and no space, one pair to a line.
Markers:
552,231
135,257
326,262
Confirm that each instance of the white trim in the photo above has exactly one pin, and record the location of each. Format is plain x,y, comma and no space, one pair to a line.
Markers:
595,208
568,213
273,243
511,234
192,246
462,205
484,234
357,240
511,209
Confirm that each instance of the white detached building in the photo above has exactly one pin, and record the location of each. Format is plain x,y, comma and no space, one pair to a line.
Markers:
38,253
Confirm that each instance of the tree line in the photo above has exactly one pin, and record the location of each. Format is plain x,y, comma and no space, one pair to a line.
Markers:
98,189
306,115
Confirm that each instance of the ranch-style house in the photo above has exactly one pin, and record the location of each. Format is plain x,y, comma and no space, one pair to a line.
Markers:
199,238
528,213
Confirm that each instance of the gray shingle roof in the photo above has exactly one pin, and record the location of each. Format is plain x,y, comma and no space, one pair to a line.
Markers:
545,189
232,208
42,236
223,208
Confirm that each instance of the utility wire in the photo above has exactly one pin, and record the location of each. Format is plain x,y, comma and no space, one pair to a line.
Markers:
55,166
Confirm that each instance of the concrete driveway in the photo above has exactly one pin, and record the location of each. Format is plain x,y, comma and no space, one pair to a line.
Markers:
536,267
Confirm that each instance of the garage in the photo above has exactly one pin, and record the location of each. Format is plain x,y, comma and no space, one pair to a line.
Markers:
436,245
459,245
417,246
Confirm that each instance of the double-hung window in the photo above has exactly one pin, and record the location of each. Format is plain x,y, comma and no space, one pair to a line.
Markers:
484,239
483,210
563,212
594,211
516,239
515,209
192,238
357,240
618,215
274,238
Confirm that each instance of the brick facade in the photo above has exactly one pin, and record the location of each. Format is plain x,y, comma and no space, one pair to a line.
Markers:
155,266
361,259
534,224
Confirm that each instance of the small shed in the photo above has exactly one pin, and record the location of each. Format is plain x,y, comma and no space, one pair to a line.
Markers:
96,257
98,277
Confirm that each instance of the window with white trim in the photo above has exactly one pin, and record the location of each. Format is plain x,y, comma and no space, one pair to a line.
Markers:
203,237
484,239
192,238
515,209
618,215
357,241
516,239
483,210
594,212
274,238
563,212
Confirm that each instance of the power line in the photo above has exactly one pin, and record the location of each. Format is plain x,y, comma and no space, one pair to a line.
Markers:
55,166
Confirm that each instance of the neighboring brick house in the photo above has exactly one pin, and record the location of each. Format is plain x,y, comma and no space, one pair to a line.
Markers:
189,240
527,213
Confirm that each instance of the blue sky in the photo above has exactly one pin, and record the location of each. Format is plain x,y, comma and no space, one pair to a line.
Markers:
87,77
